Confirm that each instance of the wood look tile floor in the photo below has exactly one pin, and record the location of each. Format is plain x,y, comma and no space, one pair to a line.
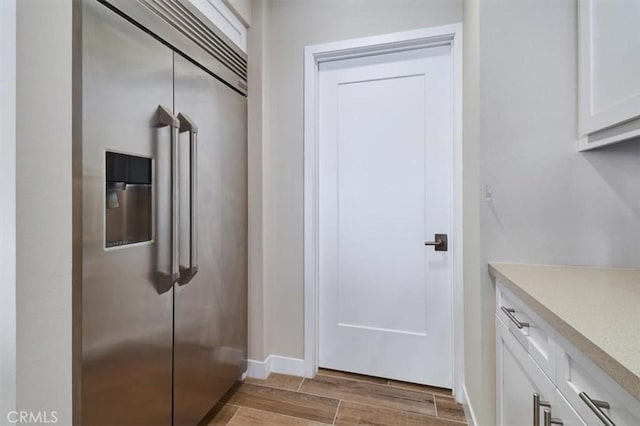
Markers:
338,398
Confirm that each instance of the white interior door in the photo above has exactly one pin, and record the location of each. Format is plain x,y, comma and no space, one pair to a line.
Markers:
385,153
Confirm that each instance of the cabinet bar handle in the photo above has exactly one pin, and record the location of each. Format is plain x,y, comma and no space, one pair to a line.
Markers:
597,406
537,403
548,420
509,313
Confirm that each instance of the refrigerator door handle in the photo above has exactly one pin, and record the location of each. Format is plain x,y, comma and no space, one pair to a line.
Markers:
164,117
188,272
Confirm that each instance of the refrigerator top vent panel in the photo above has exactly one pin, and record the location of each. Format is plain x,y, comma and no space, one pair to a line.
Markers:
181,25
186,19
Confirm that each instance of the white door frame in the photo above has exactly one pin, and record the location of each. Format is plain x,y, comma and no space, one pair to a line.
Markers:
313,56
8,213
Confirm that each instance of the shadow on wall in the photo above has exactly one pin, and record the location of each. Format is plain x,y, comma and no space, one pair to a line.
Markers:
619,167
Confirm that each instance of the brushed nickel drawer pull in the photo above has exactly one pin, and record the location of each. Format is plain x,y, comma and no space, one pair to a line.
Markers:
509,313
548,420
597,406
537,403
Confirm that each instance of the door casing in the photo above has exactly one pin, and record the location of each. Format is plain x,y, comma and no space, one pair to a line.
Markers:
8,194
313,56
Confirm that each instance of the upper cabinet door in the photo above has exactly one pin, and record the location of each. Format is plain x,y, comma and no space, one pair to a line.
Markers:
609,66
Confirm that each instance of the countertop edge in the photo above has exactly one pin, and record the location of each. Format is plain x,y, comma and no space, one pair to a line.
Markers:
612,367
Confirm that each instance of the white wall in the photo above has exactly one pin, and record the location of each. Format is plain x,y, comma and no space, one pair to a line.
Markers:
44,206
551,204
8,210
292,25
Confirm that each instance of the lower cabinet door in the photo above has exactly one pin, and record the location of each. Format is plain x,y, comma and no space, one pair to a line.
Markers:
519,379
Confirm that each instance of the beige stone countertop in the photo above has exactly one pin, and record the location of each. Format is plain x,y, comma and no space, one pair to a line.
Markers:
596,309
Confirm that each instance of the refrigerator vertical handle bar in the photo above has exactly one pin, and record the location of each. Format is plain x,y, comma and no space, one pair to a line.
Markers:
164,117
187,125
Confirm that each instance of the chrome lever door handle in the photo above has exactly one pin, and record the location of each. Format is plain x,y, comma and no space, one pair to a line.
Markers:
441,242
188,272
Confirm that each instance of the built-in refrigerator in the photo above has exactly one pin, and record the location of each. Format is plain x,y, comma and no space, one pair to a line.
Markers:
162,142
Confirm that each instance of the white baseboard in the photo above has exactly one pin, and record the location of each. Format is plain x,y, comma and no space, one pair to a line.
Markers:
275,364
468,408
286,365
258,369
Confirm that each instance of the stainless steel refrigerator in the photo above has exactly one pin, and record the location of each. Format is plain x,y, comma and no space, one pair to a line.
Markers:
164,213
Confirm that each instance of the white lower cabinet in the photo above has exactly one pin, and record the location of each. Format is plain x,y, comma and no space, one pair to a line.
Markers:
524,391
574,390
519,379
583,387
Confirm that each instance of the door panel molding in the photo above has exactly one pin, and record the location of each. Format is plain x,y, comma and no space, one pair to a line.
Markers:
315,55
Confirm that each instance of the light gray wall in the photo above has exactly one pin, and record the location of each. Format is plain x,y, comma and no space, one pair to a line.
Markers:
44,206
473,335
8,210
550,204
258,51
294,24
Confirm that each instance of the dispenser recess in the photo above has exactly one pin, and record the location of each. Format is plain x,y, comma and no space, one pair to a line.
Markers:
128,203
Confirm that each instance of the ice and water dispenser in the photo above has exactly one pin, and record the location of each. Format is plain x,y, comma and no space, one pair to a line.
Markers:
128,199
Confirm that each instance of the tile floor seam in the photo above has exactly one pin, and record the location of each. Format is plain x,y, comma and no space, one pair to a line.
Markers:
283,415
401,411
273,387
305,392
354,379
335,416
234,414
377,385
381,385
338,408
435,405
418,391
393,384
370,405
466,422
293,402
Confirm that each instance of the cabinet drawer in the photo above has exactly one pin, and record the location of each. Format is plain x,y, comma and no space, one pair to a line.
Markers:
519,379
577,375
534,336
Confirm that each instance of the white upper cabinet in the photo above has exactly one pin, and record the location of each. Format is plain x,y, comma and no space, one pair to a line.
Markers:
609,67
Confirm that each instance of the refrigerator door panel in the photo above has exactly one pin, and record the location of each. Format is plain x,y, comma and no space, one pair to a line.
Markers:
126,309
211,309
